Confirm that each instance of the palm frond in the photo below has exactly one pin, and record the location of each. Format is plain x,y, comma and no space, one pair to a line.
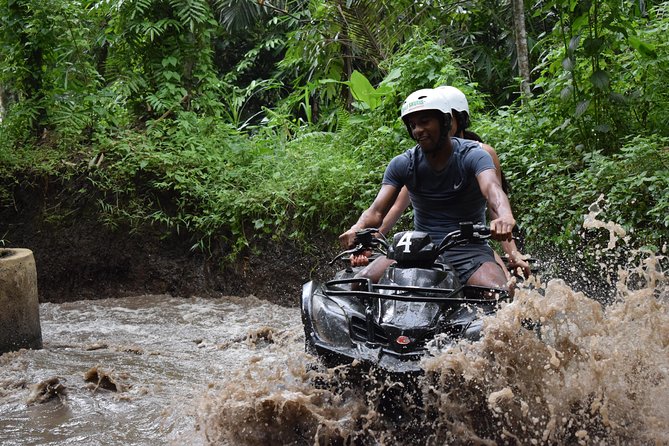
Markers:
376,27
236,15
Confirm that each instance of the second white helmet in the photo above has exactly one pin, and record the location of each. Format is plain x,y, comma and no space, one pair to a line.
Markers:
454,98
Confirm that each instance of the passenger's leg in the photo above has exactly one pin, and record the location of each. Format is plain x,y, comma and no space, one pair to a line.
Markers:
375,270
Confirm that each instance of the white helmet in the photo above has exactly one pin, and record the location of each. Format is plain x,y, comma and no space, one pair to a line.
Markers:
425,99
455,99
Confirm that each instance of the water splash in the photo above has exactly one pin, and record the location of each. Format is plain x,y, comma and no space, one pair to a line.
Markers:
590,374
555,366
592,221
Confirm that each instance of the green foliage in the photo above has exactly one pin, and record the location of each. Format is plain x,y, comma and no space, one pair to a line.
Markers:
336,39
559,160
598,128
482,34
203,180
634,184
424,63
163,91
238,15
552,191
236,100
644,74
596,69
158,55
46,73
367,97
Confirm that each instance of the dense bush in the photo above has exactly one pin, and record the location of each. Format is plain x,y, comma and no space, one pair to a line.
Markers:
555,181
194,168
202,179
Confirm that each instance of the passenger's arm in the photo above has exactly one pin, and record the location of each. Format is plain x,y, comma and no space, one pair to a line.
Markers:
495,160
516,259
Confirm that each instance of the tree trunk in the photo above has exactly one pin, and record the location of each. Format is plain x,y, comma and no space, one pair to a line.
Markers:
2,103
522,54
347,55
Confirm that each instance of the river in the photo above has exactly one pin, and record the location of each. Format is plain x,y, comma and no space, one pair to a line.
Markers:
133,371
162,370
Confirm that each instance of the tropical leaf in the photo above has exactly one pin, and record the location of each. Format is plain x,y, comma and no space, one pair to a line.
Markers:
236,15
191,12
644,48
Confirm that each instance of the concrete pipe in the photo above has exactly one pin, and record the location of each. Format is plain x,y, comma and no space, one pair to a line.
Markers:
19,304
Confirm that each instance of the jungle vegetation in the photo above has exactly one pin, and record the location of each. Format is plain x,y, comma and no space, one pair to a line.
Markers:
231,121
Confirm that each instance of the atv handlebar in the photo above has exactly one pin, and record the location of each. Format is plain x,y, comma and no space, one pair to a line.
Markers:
468,232
365,241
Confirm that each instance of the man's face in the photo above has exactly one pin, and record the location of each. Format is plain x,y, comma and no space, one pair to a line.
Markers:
426,129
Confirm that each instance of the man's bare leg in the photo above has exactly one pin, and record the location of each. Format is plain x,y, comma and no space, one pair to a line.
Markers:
491,275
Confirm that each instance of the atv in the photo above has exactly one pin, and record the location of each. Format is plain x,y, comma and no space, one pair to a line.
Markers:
388,325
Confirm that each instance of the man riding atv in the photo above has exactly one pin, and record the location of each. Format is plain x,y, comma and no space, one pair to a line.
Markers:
449,180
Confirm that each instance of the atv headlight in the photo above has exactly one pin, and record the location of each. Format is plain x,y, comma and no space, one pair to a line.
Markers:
330,321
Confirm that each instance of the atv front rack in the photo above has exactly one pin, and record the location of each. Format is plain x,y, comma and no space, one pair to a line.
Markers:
364,289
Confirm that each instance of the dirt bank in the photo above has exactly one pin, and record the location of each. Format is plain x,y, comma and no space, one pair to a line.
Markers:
80,258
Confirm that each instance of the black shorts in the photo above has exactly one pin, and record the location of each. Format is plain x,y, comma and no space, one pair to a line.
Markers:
466,259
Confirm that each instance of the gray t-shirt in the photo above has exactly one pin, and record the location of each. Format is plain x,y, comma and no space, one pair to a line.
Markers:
442,199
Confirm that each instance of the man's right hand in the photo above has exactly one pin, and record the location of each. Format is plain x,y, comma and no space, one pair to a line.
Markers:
347,239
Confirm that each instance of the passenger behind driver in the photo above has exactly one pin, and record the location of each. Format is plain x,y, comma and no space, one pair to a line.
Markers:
449,180
459,106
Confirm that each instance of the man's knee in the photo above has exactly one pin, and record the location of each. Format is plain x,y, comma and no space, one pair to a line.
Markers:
489,274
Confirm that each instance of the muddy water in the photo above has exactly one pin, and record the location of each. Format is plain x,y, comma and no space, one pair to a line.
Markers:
579,373
554,367
133,371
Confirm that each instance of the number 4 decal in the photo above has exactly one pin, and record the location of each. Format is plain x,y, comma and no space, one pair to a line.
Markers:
406,241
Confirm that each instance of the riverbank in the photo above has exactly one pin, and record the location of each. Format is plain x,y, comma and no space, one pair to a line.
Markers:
79,258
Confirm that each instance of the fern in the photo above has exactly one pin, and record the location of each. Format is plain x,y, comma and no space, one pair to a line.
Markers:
191,12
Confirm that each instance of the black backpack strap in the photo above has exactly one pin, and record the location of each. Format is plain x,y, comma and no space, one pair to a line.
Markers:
412,177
